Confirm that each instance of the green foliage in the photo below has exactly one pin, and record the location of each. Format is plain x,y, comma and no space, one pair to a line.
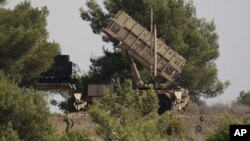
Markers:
148,102
8,134
67,105
244,98
24,113
246,120
2,2
108,65
178,26
171,125
128,115
222,133
25,51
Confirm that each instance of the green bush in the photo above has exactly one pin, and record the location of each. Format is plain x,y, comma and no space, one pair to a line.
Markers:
8,134
244,98
222,133
246,120
128,115
168,124
26,111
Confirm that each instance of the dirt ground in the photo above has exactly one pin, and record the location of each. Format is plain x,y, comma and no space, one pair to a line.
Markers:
198,121
196,128
82,121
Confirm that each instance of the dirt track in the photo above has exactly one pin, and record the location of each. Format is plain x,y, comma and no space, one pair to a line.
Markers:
81,121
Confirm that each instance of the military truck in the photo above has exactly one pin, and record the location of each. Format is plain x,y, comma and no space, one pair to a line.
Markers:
140,44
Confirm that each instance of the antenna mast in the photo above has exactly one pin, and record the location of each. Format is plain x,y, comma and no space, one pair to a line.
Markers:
155,51
151,49
153,46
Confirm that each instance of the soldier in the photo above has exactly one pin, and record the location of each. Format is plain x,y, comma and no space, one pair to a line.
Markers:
69,121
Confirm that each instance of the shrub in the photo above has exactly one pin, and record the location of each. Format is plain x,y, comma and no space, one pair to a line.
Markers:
168,124
8,134
222,133
26,111
244,98
128,115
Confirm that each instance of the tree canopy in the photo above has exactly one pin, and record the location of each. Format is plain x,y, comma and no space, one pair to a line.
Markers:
25,116
244,98
25,51
24,54
2,2
177,24
24,113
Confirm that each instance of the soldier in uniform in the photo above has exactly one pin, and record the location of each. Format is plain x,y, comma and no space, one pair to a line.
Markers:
69,121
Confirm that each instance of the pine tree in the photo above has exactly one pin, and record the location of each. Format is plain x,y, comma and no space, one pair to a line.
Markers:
25,51
177,24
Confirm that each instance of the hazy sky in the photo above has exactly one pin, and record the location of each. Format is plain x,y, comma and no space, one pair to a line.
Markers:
232,19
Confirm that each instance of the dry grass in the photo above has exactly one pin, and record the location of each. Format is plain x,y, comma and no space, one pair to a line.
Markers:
191,118
239,110
81,122
212,116
236,110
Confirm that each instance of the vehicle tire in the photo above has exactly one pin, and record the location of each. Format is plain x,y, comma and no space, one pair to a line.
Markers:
165,104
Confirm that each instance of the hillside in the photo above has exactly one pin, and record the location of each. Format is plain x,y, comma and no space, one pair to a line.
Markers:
82,121
196,128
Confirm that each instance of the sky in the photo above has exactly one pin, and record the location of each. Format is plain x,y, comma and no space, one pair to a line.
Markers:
231,17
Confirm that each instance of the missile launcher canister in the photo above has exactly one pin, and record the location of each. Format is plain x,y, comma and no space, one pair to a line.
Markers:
138,41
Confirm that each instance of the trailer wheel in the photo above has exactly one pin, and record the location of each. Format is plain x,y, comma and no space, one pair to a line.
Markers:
165,104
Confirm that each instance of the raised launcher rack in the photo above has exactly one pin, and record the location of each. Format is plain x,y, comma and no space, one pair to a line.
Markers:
138,41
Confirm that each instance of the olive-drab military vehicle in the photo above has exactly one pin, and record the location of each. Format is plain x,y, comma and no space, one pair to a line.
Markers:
140,44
